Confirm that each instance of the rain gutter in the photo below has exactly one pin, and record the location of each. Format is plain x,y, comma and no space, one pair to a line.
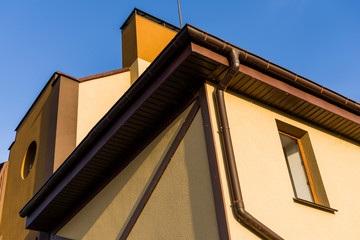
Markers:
238,201
138,87
186,35
269,68
233,55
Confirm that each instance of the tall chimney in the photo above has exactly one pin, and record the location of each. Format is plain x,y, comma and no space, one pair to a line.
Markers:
143,38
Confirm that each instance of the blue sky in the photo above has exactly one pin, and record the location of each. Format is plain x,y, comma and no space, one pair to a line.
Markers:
319,40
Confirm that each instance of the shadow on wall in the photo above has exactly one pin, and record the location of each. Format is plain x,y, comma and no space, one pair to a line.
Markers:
199,182
110,210
181,206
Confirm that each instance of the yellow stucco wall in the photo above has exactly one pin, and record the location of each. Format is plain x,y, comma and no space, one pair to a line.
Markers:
62,116
96,97
18,190
3,177
152,38
265,181
144,39
181,206
129,44
106,214
51,123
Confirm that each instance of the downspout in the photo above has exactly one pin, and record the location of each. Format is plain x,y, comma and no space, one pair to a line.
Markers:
238,202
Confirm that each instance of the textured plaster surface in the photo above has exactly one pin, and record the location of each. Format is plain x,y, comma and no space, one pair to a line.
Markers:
264,178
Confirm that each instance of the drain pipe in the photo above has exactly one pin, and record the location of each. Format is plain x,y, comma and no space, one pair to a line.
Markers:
238,203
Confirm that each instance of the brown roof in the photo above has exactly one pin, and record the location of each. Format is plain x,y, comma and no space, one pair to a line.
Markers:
104,74
168,84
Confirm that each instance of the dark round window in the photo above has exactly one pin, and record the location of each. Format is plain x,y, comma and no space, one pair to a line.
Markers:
28,160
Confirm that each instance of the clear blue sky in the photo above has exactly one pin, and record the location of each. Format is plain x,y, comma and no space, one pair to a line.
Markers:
319,40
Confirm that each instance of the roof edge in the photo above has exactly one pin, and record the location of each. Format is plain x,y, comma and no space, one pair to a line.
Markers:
186,35
138,85
149,17
67,75
53,76
104,74
247,58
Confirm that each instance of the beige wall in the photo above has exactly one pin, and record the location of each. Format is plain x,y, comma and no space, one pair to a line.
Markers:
137,68
96,97
264,178
65,114
61,117
181,206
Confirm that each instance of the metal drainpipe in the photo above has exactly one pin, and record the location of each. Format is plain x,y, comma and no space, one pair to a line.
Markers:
238,203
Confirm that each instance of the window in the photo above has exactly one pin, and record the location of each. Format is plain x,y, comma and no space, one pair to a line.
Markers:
303,169
298,169
28,160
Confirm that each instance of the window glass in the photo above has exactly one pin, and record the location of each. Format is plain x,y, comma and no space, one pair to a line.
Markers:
296,167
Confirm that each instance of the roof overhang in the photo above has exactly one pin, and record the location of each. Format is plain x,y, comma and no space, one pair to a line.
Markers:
292,99
157,97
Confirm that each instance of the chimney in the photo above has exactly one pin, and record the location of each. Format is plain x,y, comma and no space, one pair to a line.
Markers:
143,38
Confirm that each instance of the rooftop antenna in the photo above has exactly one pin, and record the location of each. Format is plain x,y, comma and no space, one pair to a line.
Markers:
179,13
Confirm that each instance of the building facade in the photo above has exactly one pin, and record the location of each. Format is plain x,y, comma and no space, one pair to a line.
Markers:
194,138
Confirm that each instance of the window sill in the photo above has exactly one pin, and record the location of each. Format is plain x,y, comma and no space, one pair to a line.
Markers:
315,205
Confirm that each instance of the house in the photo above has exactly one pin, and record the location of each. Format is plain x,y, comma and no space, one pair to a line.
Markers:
194,138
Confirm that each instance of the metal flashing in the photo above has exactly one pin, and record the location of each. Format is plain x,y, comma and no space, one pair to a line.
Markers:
149,17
